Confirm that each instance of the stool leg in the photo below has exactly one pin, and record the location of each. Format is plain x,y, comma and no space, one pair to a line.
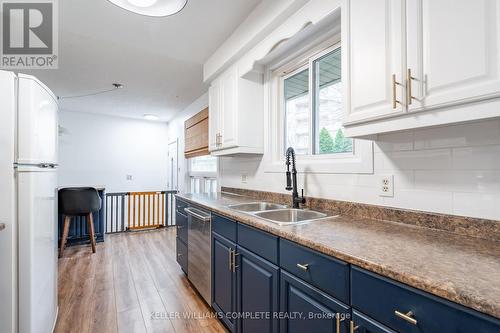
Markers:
67,221
90,222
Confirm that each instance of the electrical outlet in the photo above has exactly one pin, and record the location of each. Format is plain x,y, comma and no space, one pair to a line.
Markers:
128,177
244,178
386,186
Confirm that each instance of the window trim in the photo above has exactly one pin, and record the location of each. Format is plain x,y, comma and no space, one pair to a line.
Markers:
360,161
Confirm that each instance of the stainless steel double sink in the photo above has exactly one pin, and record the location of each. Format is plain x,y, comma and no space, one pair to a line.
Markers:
279,214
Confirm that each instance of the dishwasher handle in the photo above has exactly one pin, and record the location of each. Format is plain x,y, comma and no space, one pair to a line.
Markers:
196,213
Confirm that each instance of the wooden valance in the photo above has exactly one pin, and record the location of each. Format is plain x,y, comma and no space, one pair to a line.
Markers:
196,135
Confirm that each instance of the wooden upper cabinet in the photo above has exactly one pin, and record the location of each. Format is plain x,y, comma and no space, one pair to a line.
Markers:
196,135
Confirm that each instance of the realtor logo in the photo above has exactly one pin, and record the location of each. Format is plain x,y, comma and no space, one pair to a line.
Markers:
29,34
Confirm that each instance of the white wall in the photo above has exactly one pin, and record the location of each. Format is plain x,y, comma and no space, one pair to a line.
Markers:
176,131
103,150
452,170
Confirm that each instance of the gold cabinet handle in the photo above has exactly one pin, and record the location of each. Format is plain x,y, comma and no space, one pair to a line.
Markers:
234,261
337,324
409,95
395,83
406,316
352,328
230,259
303,267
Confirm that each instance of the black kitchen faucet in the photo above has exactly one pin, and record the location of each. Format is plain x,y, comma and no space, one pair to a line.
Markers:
291,179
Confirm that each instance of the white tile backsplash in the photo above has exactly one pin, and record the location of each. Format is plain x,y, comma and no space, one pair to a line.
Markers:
430,201
436,159
477,158
477,204
474,134
450,170
458,181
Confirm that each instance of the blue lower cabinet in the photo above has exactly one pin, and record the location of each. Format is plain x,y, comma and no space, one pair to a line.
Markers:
364,324
257,293
406,309
305,308
223,280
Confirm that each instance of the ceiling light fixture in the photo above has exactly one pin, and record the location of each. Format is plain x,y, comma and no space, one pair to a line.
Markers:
149,116
142,3
157,8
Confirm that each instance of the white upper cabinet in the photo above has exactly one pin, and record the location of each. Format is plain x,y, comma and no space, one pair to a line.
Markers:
443,55
453,50
229,112
214,102
236,111
376,56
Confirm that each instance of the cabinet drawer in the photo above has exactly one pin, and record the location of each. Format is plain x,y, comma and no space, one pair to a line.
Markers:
182,254
379,298
182,226
325,273
259,242
308,309
224,227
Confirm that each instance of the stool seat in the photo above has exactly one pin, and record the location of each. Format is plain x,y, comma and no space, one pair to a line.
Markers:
78,201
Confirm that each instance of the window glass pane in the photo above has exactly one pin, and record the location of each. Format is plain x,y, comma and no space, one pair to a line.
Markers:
297,115
204,164
210,185
329,138
195,185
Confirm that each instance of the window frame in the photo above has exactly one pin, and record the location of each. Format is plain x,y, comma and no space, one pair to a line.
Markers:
308,64
359,161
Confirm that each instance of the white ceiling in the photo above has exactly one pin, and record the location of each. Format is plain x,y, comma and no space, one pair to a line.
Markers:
159,60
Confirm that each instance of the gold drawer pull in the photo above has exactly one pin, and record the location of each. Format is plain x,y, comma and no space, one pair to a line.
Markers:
230,259
303,267
338,322
406,316
352,327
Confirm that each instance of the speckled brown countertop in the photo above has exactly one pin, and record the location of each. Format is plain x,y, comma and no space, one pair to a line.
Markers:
461,269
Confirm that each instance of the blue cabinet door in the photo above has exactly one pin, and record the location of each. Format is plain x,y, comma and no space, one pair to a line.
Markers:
257,293
223,280
307,309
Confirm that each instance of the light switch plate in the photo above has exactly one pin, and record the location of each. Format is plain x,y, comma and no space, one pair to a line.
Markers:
244,178
386,186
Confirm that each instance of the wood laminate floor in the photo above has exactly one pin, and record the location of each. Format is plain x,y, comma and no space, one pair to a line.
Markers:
132,284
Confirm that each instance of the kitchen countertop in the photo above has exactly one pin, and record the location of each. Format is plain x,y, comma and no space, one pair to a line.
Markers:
462,269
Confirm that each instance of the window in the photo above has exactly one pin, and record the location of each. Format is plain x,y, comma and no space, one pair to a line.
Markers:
203,174
312,102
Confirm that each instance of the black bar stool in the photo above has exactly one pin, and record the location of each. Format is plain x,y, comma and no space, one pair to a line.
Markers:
78,201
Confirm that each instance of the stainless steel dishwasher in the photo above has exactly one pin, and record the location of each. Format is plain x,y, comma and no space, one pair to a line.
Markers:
199,251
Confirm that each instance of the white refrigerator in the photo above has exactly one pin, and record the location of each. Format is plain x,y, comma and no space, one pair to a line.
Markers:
28,205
